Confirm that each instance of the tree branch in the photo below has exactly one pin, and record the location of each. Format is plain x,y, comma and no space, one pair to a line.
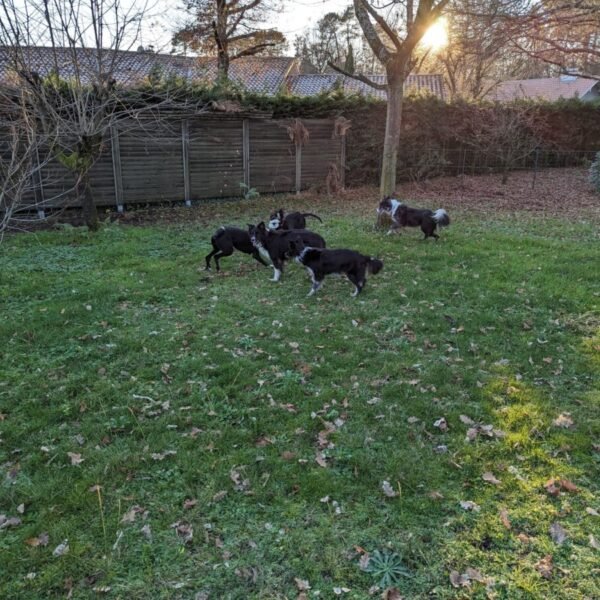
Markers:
362,78
373,39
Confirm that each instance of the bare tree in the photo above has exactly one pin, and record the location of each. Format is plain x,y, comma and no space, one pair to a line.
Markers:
231,29
394,48
562,33
69,91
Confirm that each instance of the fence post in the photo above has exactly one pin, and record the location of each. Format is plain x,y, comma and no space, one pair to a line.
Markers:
185,153
116,161
246,152
343,161
298,167
535,167
38,186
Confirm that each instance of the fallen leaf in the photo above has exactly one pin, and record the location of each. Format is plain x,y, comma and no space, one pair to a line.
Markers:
473,574
563,420
147,532
544,566
594,543
469,505
364,560
219,496
40,540
435,495
302,584
187,504
321,460
458,580
6,522
162,455
184,530
504,518
466,420
551,487
592,511
75,457
391,594
388,490
61,549
565,484
558,533
21,509
413,420
441,424
95,488
490,478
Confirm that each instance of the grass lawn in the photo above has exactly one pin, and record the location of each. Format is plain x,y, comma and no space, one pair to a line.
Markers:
197,435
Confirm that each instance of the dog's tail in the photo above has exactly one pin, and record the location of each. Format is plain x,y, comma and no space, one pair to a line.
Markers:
311,215
441,217
374,265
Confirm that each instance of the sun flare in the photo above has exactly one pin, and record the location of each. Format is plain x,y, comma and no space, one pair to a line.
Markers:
436,37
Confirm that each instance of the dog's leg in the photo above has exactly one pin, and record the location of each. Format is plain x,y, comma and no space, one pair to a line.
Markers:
219,255
278,270
358,279
207,259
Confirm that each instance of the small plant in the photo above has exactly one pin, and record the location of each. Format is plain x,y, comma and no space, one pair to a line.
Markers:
594,173
249,193
387,568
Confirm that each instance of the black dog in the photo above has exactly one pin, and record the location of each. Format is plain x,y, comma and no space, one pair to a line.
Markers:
405,216
296,220
226,240
320,262
276,244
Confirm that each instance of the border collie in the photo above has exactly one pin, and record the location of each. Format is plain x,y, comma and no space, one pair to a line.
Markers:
276,244
226,240
320,262
405,216
294,220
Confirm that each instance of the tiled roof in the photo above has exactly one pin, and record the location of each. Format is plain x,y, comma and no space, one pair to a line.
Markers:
548,88
311,85
260,74
263,74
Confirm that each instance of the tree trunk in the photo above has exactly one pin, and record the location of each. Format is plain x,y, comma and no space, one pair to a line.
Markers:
88,206
395,93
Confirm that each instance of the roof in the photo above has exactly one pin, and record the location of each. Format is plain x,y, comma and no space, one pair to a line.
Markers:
547,88
259,74
311,85
264,74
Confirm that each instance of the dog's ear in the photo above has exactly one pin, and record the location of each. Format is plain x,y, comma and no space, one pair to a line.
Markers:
261,225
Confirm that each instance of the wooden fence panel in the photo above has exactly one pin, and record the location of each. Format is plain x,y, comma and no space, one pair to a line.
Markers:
215,158
152,164
321,150
272,157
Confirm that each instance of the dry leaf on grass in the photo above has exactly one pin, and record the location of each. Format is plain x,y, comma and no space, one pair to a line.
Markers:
184,530
592,511
441,424
470,505
563,420
504,518
490,478
187,504
302,584
6,522
61,549
388,490
594,543
544,566
391,594
558,533
75,457
321,460
40,540
466,420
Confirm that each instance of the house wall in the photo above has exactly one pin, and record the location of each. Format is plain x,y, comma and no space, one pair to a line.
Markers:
196,158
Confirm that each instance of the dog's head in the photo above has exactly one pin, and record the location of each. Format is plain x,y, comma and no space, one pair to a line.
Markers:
276,220
258,234
386,206
296,247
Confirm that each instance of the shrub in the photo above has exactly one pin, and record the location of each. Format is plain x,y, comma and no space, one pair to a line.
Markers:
595,173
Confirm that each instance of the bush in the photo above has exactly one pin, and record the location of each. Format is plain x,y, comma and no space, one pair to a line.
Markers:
595,173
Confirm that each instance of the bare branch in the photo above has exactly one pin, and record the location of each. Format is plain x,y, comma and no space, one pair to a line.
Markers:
362,78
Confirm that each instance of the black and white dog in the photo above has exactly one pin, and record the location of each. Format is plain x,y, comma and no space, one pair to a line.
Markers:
320,262
276,244
226,240
405,216
295,220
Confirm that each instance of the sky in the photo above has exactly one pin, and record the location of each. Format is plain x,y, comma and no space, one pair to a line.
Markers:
295,17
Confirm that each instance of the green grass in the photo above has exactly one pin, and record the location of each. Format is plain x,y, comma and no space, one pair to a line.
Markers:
115,346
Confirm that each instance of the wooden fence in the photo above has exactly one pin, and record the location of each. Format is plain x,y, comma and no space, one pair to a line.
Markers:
200,157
